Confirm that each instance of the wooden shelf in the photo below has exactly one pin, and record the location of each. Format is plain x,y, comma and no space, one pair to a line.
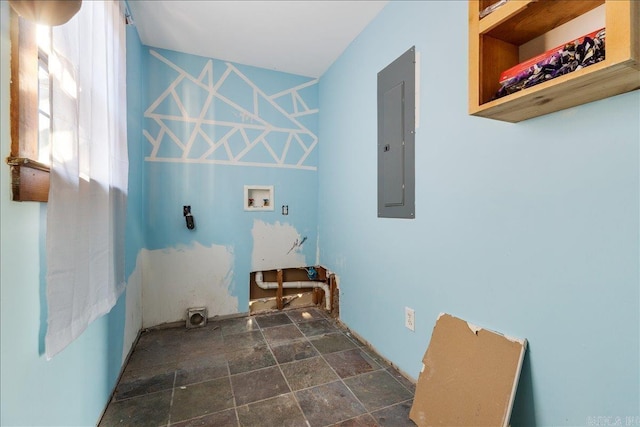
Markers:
493,47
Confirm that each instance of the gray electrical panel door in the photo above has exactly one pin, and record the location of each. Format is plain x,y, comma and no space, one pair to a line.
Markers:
396,138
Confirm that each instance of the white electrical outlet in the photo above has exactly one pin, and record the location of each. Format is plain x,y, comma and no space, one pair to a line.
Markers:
410,318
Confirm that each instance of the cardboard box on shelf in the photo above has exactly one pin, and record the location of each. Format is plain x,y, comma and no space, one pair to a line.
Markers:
580,53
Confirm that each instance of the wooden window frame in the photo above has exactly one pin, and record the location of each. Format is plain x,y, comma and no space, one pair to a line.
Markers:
29,178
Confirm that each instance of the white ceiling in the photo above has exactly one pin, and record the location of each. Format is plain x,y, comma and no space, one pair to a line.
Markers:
299,37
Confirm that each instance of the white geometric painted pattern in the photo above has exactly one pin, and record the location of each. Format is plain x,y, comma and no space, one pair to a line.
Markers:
255,130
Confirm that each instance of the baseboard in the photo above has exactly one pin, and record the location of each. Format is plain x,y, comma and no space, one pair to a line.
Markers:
372,348
122,368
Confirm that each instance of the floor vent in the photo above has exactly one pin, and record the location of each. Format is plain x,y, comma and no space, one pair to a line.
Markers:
196,317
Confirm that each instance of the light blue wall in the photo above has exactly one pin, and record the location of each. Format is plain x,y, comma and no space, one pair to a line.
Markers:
530,229
135,101
73,387
223,97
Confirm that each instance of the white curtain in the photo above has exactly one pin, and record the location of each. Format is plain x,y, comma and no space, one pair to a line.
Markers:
87,197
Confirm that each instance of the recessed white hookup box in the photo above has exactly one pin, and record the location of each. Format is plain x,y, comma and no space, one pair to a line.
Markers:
258,198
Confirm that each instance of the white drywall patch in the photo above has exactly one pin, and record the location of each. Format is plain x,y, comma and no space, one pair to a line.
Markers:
318,246
133,308
276,246
175,279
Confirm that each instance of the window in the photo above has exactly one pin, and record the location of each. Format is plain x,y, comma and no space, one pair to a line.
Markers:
30,113
44,94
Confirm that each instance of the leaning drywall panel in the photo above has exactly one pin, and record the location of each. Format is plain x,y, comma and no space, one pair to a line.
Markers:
469,376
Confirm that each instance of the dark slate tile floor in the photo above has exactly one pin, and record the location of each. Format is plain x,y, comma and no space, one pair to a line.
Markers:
294,368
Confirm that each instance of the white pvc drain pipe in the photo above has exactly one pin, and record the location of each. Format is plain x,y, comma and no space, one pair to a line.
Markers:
296,285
